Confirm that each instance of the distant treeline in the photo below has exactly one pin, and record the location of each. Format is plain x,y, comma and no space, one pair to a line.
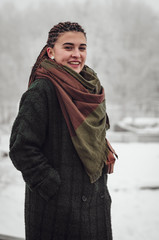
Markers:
123,39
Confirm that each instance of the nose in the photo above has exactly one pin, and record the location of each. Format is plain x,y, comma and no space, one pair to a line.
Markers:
76,53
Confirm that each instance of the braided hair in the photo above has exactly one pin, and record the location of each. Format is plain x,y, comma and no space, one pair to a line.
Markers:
53,35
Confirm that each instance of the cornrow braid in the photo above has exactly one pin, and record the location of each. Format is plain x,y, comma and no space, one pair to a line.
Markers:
40,58
53,35
61,28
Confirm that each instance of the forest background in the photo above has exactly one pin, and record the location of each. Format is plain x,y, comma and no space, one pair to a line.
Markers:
123,39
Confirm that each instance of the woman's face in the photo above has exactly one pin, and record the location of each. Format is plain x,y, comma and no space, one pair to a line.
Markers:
70,50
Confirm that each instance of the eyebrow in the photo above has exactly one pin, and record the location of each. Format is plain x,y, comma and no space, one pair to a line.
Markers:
68,43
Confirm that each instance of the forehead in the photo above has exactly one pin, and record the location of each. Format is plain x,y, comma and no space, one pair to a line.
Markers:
72,37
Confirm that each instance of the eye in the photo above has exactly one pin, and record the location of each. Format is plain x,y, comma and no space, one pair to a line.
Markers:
82,49
69,48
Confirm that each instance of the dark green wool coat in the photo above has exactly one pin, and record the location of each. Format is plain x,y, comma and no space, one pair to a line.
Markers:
60,201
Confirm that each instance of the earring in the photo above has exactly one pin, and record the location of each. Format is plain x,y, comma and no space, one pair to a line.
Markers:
52,57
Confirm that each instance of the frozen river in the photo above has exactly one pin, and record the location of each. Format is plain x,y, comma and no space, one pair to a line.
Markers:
134,188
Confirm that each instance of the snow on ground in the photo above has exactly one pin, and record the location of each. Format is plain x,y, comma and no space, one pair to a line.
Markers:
140,125
135,211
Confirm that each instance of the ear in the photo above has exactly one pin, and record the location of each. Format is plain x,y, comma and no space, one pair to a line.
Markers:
50,52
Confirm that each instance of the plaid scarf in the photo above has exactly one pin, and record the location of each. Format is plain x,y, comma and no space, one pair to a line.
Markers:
82,101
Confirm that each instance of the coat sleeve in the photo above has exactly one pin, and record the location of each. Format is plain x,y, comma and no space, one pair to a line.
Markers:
26,143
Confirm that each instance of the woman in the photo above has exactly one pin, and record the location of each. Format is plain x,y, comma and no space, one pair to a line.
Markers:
58,143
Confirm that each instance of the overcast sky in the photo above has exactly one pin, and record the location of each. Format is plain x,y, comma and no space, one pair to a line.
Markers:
23,3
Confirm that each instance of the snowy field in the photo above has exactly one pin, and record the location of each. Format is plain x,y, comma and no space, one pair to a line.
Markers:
134,188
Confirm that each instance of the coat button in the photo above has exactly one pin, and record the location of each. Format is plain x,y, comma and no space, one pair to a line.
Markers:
84,198
102,195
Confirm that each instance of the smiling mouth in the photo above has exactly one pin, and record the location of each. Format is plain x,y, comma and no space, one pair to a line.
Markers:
74,63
